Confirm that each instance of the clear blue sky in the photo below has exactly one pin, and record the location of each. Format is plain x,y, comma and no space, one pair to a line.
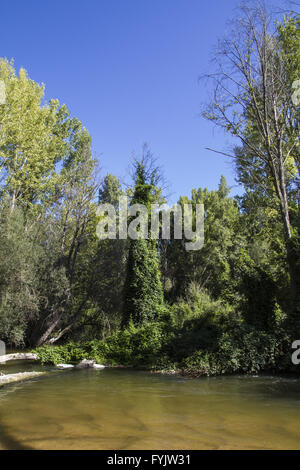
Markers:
128,69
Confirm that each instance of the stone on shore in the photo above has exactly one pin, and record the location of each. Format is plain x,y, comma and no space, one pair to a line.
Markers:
98,366
11,378
85,363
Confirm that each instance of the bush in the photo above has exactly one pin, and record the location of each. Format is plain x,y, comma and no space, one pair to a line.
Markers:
135,345
197,323
69,353
132,346
200,363
242,350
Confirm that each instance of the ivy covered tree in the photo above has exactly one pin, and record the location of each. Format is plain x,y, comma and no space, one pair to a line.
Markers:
143,293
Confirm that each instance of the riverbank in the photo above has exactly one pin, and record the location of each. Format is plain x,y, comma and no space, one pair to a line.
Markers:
238,352
12,363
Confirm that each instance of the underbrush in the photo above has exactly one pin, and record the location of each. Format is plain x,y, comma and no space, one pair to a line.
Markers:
197,337
134,346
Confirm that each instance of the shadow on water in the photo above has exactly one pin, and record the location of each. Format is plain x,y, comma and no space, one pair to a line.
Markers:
9,442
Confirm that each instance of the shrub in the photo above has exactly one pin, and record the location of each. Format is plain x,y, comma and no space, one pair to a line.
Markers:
242,350
200,363
132,346
69,353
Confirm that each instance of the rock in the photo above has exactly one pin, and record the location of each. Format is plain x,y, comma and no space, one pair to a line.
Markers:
89,363
18,357
64,366
85,363
11,378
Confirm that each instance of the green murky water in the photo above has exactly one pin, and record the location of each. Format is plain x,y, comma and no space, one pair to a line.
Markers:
121,409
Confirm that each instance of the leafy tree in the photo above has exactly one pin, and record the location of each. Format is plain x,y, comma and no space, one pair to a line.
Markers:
29,144
102,270
19,297
110,191
47,184
209,267
253,100
70,224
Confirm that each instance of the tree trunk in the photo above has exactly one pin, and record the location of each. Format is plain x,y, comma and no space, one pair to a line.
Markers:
48,332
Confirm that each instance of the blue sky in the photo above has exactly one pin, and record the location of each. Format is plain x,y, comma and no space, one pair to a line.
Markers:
128,69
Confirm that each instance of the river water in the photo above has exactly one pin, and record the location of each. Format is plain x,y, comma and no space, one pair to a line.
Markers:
125,409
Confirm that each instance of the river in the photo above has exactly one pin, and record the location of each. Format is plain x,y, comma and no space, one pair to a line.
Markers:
126,409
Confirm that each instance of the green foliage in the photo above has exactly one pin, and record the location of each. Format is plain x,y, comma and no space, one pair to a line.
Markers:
133,346
200,363
19,301
67,354
198,322
110,191
289,35
143,294
257,106
241,350
210,267
46,208
143,289
235,348
34,137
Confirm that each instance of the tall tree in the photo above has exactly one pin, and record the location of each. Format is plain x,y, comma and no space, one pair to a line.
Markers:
47,209
253,100
143,287
71,226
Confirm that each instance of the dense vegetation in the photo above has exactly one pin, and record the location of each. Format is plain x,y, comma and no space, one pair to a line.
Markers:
232,306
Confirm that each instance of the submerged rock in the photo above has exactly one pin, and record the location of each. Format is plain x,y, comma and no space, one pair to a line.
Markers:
64,366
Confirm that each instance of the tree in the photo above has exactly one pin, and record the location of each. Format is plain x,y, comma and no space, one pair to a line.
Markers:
30,146
49,184
209,267
20,258
253,100
143,289
110,191
70,226
104,264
